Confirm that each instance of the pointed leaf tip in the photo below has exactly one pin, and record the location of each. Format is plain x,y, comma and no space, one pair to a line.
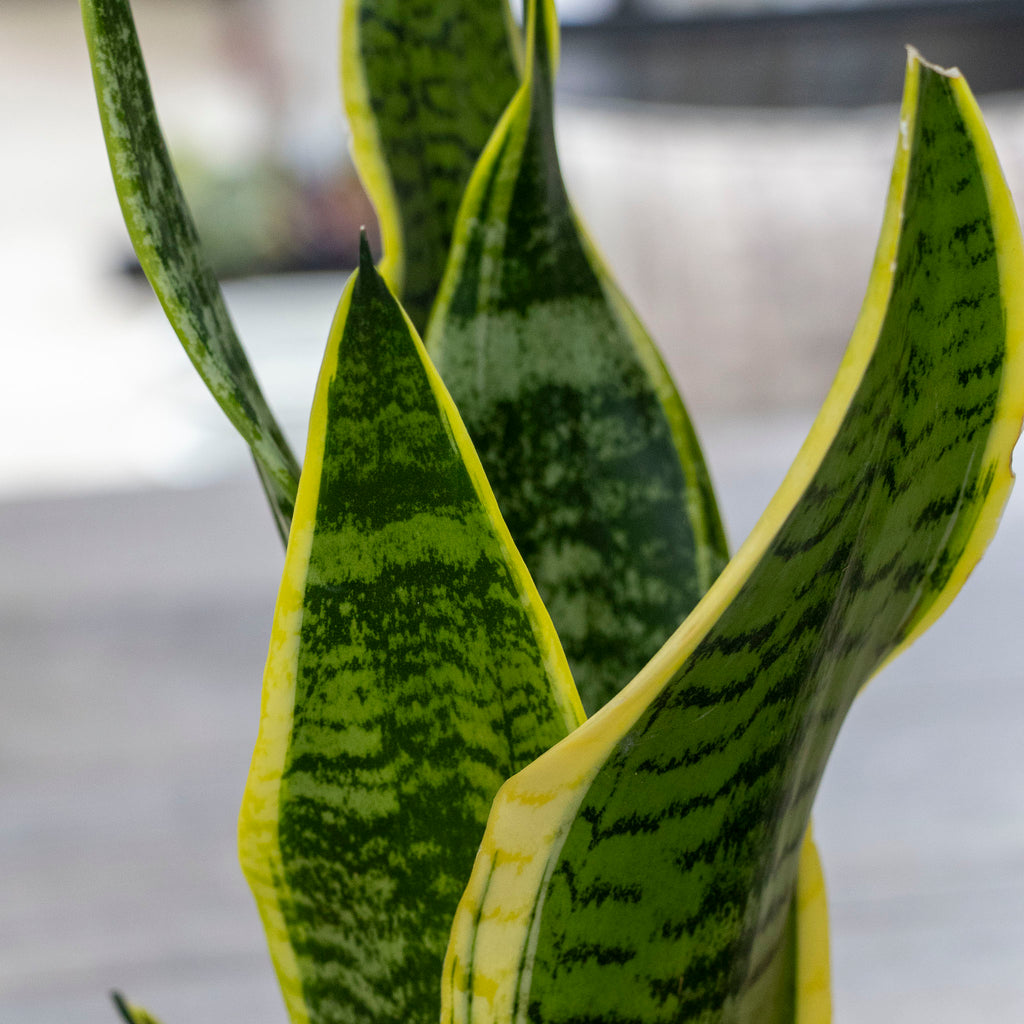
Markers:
914,57
121,1006
130,1013
365,256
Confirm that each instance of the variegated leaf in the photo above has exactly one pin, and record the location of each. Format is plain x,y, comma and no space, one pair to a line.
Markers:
584,438
412,669
644,870
168,248
424,85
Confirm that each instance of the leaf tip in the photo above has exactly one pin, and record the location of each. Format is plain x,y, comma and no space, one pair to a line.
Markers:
121,1005
365,256
914,57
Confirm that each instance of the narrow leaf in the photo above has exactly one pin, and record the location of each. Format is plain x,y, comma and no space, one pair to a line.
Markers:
645,868
424,85
412,669
584,438
168,248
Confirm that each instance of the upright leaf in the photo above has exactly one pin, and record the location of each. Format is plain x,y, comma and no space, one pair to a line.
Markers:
582,433
412,669
424,85
167,245
644,869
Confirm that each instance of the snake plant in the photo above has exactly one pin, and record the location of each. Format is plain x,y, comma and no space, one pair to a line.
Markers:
504,524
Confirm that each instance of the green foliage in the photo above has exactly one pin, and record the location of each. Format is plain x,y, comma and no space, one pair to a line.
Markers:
405,574
424,85
430,828
712,775
582,433
168,248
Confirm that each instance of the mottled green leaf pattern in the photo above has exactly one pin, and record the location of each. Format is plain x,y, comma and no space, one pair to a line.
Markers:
168,248
671,823
412,670
584,438
424,85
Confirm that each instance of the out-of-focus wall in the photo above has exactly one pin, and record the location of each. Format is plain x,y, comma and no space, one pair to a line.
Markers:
745,238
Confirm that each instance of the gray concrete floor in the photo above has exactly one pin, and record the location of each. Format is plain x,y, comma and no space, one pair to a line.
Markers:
139,565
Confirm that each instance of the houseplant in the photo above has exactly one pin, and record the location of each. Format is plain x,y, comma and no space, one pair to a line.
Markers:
423,757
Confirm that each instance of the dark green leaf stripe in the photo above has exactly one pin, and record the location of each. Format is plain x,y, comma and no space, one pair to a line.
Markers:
425,81
673,820
584,438
412,671
168,248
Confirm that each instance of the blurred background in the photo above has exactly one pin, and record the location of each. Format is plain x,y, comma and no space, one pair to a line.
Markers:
731,158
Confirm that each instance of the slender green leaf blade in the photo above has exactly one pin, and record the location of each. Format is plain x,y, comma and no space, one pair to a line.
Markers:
584,438
424,86
412,669
168,248
644,869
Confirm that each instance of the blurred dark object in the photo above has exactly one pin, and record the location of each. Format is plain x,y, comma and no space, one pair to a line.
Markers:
289,212
835,56
267,219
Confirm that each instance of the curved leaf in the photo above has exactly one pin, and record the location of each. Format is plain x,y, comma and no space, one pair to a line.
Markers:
643,870
424,85
168,248
412,669
584,438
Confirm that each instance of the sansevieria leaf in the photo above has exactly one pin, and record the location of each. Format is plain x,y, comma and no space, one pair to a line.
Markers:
645,868
168,248
424,85
584,438
412,669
